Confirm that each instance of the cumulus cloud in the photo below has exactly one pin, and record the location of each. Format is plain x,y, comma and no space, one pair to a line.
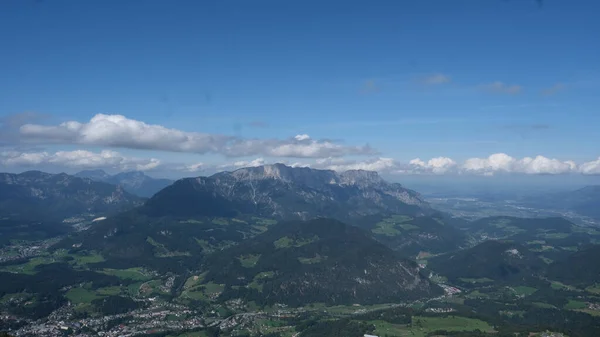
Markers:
501,162
376,164
502,88
77,159
439,165
592,167
121,132
435,79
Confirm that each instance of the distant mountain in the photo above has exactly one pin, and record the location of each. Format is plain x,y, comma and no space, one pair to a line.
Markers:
580,268
283,192
584,201
36,195
497,261
321,260
134,182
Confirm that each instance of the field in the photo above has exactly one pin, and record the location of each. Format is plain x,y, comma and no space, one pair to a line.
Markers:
389,226
422,326
81,295
135,274
524,291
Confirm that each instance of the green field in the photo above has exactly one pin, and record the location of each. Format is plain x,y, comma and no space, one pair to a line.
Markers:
595,289
421,326
249,261
311,260
287,242
476,280
524,290
573,304
81,295
135,274
386,228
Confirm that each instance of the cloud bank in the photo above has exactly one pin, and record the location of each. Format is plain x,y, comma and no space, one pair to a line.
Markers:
495,164
78,159
118,131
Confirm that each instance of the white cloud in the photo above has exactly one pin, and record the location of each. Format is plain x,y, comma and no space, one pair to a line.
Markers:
501,162
439,165
377,164
302,137
592,167
77,159
121,132
502,88
435,79
197,167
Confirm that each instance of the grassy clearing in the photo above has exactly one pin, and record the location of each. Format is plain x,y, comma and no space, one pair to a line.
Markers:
559,285
386,228
476,280
29,267
408,227
81,295
422,326
595,289
161,251
524,290
193,281
81,259
312,260
220,222
109,291
191,221
249,261
287,242
284,242
213,288
573,304
553,235
543,305
135,274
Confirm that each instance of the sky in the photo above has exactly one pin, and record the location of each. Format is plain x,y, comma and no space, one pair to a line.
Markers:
185,88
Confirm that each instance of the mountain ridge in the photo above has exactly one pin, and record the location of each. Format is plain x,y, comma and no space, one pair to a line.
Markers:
45,196
135,182
287,192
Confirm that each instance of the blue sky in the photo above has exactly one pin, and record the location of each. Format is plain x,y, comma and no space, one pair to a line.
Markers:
458,80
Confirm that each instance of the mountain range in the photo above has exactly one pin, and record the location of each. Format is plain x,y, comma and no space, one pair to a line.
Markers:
584,201
36,195
283,192
134,182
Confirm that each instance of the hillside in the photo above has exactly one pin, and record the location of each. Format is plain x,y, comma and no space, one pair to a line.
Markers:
35,195
411,236
134,182
283,192
584,201
321,260
496,261
554,238
580,268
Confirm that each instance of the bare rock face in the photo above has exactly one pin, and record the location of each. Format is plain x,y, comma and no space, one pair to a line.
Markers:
287,192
